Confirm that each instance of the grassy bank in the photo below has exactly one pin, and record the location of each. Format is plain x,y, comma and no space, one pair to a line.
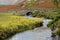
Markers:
54,15
49,15
12,24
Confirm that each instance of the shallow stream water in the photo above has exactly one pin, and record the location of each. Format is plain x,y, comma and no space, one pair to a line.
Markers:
41,33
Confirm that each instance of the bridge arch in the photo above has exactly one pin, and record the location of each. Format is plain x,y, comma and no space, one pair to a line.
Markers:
29,13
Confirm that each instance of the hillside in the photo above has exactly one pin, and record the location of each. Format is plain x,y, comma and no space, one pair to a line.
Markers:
12,7
40,4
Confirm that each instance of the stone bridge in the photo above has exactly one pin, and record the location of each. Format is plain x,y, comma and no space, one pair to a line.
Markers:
25,11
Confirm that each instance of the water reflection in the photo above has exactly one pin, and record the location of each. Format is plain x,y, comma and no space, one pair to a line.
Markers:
58,37
54,38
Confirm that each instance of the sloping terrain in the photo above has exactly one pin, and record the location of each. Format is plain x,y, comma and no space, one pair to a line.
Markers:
12,7
40,4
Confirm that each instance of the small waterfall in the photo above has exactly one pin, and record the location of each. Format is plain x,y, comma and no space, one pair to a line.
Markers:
46,21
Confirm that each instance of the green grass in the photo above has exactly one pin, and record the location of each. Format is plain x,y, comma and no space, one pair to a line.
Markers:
12,24
54,15
48,15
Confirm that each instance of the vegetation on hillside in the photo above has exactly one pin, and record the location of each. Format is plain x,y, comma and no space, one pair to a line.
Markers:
31,4
56,3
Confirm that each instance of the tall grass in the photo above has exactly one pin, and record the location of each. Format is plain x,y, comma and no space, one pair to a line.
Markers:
12,24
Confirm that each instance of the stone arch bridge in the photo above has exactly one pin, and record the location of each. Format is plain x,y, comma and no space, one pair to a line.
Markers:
25,11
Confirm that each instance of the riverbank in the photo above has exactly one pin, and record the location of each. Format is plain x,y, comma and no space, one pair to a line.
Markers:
40,33
12,24
54,15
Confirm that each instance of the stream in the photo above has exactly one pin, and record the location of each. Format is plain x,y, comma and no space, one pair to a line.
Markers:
41,33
